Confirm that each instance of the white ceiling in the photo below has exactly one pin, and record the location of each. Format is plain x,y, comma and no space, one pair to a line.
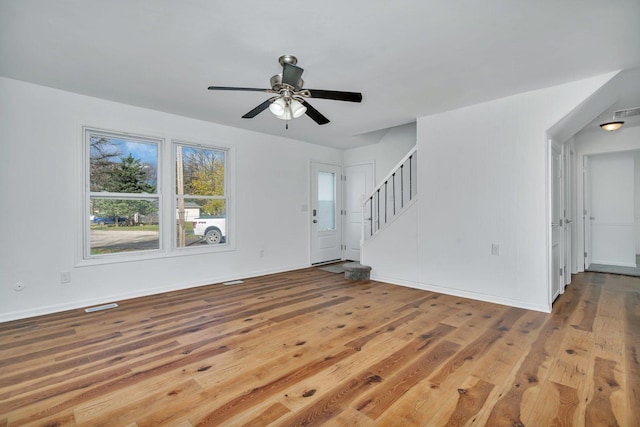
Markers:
408,58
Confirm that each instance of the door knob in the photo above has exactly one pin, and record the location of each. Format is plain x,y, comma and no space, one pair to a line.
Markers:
315,221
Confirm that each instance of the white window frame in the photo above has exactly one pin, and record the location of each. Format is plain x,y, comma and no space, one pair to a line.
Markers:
88,194
230,235
166,198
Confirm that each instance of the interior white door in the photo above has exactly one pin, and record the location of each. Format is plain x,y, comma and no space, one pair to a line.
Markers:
358,185
586,179
569,156
557,234
326,205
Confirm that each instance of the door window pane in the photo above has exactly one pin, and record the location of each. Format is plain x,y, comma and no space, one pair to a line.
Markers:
326,201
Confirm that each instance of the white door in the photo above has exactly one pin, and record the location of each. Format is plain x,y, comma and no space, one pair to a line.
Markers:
569,157
326,205
587,212
358,185
557,254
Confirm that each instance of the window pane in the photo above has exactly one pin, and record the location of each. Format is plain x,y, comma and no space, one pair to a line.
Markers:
200,171
200,220
326,201
122,165
196,226
123,225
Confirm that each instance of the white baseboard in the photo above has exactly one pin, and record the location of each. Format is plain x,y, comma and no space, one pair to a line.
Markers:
40,311
464,294
615,263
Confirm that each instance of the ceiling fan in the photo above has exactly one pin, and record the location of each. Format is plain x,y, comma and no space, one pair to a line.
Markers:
289,101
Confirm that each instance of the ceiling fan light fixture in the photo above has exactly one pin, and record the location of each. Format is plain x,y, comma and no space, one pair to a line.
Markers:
277,107
611,126
297,108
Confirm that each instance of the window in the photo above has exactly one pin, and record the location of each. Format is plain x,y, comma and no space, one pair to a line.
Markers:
201,196
326,201
122,200
126,214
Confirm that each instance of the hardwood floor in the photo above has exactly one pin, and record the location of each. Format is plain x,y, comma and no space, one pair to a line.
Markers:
308,348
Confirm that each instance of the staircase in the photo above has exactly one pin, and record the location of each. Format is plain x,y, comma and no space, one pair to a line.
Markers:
391,197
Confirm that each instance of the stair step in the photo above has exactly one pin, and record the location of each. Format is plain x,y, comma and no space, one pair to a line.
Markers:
356,271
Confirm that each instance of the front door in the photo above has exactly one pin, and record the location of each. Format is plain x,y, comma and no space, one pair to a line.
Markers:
358,185
326,205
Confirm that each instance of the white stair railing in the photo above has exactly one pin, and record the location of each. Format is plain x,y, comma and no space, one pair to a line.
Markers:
390,197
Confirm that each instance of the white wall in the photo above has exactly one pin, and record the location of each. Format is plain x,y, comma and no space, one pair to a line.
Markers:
626,140
393,146
40,166
483,179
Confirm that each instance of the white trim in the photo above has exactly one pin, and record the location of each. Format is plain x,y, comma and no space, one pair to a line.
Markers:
613,263
230,243
24,314
463,294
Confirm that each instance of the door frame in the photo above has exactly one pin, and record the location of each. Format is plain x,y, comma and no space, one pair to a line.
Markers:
552,272
586,212
568,211
345,195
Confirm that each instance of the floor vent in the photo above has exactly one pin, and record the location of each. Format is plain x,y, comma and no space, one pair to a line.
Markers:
233,282
101,307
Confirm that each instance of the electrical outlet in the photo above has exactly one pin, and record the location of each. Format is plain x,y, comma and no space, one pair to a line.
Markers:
18,286
65,277
495,249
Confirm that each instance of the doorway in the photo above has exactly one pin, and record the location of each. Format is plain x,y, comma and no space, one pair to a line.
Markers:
609,206
326,206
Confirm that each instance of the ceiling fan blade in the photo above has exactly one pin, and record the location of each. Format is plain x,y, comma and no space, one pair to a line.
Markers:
336,95
315,114
259,109
291,75
250,89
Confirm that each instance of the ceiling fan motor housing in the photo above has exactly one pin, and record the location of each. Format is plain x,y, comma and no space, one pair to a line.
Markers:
277,86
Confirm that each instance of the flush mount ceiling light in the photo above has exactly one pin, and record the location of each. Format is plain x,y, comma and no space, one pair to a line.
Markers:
611,126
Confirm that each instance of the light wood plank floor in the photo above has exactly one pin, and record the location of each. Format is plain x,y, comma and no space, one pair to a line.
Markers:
308,348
